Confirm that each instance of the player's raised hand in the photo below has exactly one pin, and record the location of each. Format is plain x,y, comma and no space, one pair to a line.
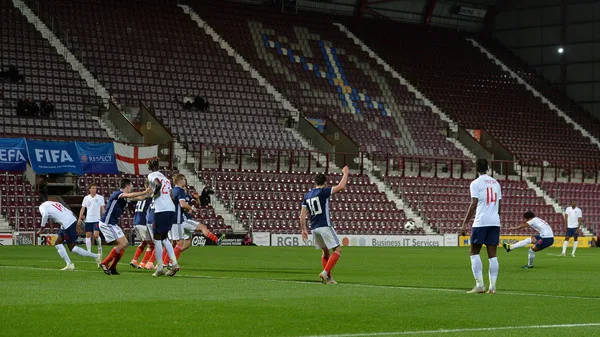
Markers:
345,170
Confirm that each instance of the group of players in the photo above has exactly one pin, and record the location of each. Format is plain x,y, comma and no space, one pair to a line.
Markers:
162,214
485,205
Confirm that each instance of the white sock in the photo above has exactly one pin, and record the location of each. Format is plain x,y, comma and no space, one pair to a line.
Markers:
99,242
82,252
477,269
63,253
493,272
520,244
575,247
170,251
158,251
565,244
531,257
88,244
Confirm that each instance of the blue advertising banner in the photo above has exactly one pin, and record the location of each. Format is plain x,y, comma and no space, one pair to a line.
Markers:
13,154
97,157
53,157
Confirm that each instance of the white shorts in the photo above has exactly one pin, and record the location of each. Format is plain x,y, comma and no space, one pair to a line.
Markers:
184,230
150,231
110,232
325,237
142,232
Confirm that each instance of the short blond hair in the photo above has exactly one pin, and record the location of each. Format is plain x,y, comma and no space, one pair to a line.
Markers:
178,178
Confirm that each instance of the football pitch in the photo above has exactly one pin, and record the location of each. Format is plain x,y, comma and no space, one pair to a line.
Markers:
274,291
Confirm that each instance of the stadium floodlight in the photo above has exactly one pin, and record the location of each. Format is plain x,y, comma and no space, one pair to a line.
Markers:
560,50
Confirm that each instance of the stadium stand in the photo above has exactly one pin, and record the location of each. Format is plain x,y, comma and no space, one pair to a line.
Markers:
18,196
46,75
559,98
586,195
464,83
325,74
269,201
138,60
443,202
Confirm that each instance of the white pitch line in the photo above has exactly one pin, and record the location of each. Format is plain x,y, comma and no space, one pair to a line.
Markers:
358,285
440,331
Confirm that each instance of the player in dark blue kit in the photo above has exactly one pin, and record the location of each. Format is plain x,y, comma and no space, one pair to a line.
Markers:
109,224
140,224
316,204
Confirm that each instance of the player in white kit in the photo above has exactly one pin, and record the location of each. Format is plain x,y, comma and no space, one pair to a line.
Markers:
59,214
544,239
573,220
164,217
485,203
93,206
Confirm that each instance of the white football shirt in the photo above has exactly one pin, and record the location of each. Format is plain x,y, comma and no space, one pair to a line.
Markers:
93,206
58,213
487,191
542,227
163,203
573,216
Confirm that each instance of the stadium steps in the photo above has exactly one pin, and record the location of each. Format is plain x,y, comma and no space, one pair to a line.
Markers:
536,93
370,170
453,125
62,50
240,60
218,205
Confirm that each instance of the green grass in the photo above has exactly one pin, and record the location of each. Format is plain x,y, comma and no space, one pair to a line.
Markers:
269,291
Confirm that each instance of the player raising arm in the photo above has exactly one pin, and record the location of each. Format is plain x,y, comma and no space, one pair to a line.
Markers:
316,204
109,224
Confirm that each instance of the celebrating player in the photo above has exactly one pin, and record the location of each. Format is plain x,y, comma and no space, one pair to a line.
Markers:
316,203
93,206
544,239
573,220
59,214
485,203
109,224
141,228
164,214
184,224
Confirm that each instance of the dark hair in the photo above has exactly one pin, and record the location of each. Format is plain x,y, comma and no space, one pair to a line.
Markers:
529,215
152,164
125,182
482,165
320,179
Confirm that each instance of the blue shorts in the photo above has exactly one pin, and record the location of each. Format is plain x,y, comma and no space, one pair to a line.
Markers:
572,232
91,226
163,221
542,243
489,235
70,234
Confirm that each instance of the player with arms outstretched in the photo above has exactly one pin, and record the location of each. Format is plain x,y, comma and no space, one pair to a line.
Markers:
485,203
316,204
59,214
109,224
164,215
544,239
